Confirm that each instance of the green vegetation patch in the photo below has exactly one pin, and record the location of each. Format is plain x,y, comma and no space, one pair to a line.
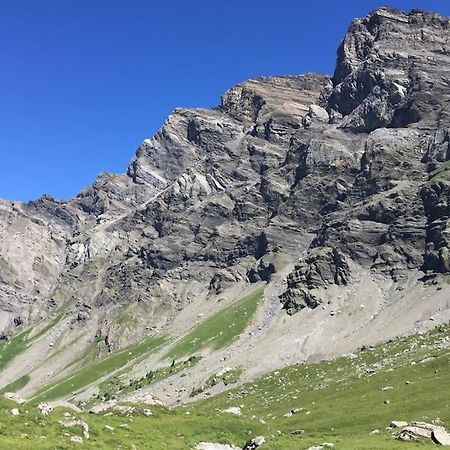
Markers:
46,328
96,370
17,384
227,377
114,387
442,172
11,348
219,330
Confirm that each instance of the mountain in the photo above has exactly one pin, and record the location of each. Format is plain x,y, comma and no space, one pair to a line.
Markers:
302,218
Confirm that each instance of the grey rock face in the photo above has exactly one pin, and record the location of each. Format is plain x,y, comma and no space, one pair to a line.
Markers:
322,266
392,212
389,70
359,161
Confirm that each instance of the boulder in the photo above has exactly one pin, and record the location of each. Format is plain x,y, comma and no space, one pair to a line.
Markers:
14,397
420,431
410,433
215,446
254,443
323,446
45,408
297,432
441,437
76,424
398,424
233,410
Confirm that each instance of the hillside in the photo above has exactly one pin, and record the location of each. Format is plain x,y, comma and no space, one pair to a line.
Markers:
348,402
305,217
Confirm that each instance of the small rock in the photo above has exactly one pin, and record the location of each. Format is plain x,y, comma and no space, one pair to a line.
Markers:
215,446
14,397
110,428
15,412
236,410
254,443
124,409
45,408
322,446
297,432
76,439
292,412
76,424
398,424
104,406
374,432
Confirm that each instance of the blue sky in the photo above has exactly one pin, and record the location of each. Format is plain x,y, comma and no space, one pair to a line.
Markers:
83,82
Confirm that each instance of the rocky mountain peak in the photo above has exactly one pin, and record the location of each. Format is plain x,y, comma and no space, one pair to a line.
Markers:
388,63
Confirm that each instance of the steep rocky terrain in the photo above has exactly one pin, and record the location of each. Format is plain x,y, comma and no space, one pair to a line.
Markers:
330,193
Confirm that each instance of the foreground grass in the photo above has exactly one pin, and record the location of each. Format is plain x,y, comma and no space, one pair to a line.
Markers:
162,430
219,330
340,401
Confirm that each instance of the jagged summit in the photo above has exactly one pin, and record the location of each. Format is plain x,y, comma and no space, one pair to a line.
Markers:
331,193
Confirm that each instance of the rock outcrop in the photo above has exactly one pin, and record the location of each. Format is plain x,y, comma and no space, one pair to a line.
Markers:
390,89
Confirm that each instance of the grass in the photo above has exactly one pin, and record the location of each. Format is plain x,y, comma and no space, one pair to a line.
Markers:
344,400
10,349
339,401
16,385
229,377
442,172
114,387
163,430
47,327
95,370
219,330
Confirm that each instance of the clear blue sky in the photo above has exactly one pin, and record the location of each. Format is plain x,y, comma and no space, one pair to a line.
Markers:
83,82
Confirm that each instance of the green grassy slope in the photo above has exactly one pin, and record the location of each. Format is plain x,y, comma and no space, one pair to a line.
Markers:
342,400
95,370
219,330
215,332
9,349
